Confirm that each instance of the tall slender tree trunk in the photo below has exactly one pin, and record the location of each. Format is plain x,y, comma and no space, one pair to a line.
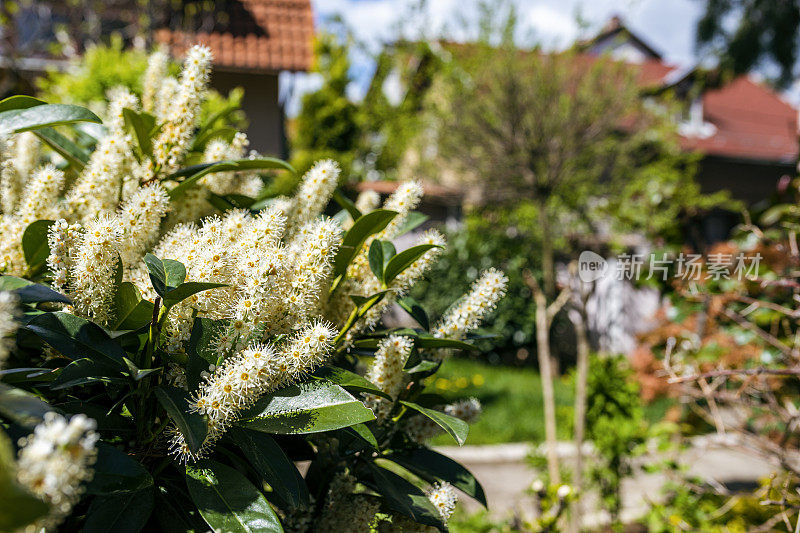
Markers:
548,396
578,319
548,254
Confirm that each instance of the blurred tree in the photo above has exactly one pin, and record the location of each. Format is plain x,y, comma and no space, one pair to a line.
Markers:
328,122
745,34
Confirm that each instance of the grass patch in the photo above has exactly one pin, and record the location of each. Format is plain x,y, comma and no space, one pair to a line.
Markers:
512,402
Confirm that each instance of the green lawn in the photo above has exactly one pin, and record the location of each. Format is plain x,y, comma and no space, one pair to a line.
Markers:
512,401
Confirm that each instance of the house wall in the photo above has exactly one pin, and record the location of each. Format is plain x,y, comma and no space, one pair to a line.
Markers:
748,181
260,104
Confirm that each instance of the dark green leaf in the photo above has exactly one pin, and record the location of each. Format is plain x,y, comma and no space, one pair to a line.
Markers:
141,125
192,425
34,243
37,293
65,147
228,501
354,239
435,342
76,337
158,275
413,308
364,433
346,204
306,408
175,272
19,120
405,259
200,348
115,471
433,466
455,427
19,101
130,310
413,220
405,498
22,407
349,380
124,512
176,513
376,259
83,371
272,464
188,289
196,172
138,374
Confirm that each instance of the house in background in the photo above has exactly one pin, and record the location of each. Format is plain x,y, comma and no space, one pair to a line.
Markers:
253,41
747,133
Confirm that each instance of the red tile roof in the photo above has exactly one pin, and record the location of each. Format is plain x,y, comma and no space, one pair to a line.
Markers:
262,36
752,122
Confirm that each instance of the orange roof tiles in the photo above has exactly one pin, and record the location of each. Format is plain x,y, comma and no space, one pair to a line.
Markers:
262,35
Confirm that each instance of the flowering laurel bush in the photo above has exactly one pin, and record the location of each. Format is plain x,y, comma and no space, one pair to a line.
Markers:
173,339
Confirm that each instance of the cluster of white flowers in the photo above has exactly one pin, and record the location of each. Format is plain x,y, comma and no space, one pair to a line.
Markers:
443,497
176,133
157,65
245,377
23,153
99,188
421,428
8,323
387,372
313,194
54,461
470,310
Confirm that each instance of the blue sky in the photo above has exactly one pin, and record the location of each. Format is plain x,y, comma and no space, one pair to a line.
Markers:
668,25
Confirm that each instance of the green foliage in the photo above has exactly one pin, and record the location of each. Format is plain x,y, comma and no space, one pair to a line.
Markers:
328,123
616,425
745,34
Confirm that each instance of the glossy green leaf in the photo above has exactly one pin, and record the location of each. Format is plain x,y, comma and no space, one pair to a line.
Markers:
76,156
130,310
413,220
227,501
349,380
200,348
356,236
123,512
40,116
19,101
142,126
34,243
192,426
22,407
310,407
403,260
158,275
175,512
36,293
76,337
196,172
406,498
433,466
455,427
272,464
347,204
174,272
188,289
375,257
417,312
83,371
116,471
364,433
